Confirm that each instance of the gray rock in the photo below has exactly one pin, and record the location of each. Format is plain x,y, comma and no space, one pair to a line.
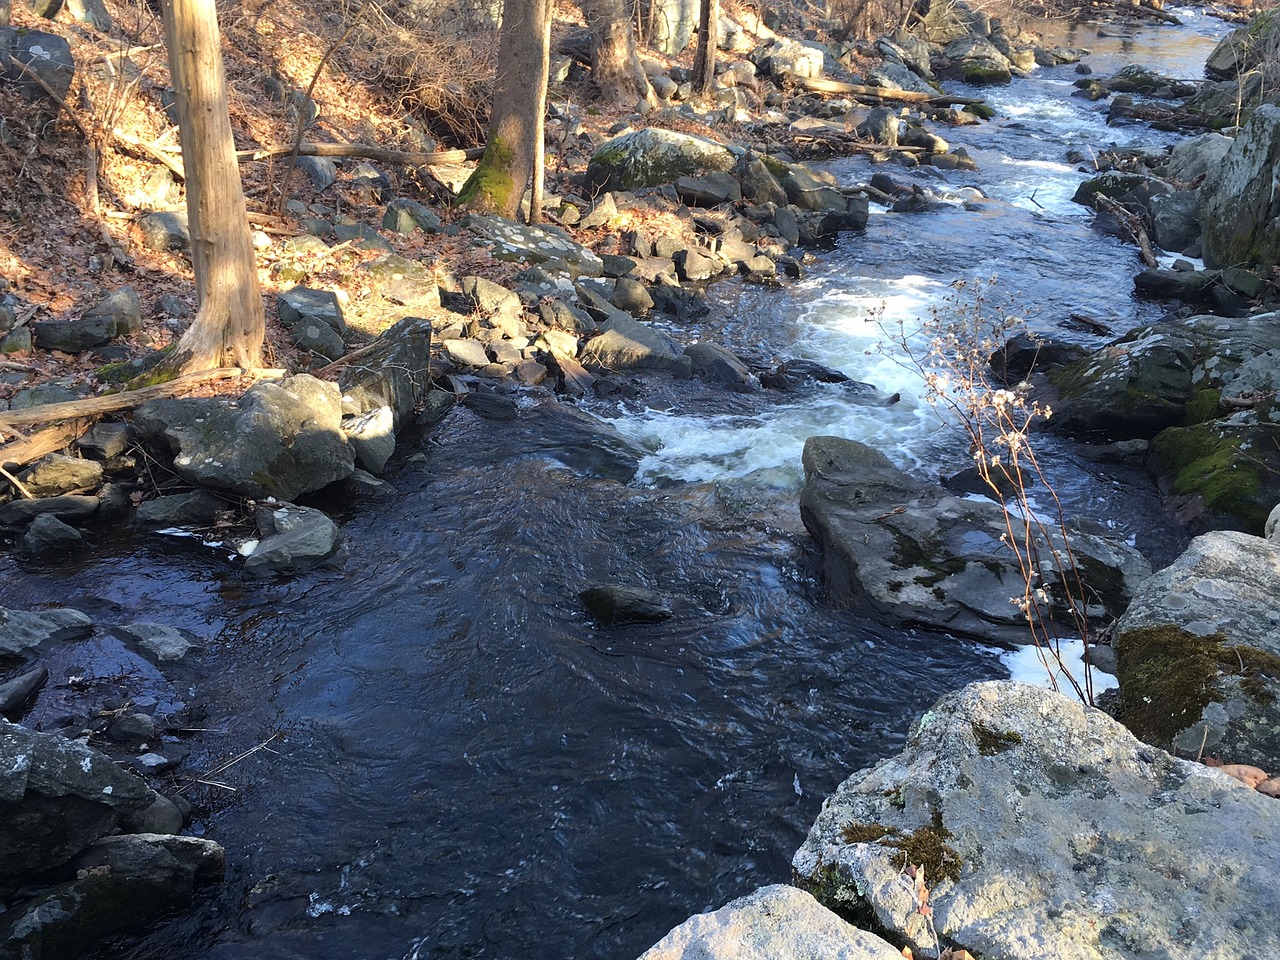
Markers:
404,216
22,631
400,285
943,23
785,58
1197,156
55,474
912,52
1272,528
121,306
74,336
18,691
50,537
1198,652
294,541
977,61
6,10
52,391
709,190
303,304
395,372
664,87
92,12
909,550
104,441
1241,216
631,295
602,213
165,230
694,265
318,338
813,190
1243,49
652,157
581,442
615,605
513,241
493,300
160,642
674,24
199,508
633,345
321,171
282,439
18,513
716,364
1175,219
881,126
134,729
897,76
47,55
466,353
760,185
1050,833
373,437
773,923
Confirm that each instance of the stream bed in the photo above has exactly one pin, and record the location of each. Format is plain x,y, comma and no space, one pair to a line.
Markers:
442,757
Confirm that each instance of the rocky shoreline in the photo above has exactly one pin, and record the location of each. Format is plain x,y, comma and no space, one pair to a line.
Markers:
1196,392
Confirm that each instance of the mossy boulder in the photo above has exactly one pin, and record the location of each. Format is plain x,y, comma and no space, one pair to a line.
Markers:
651,157
1233,467
975,60
1244,48
1048,832
1198,652
1240,210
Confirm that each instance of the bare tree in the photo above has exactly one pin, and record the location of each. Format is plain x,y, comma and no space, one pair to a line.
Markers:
519,99
704,59
228,329
616,70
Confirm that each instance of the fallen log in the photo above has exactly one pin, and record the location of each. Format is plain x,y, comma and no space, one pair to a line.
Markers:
364,151
879,94
845,142
18,453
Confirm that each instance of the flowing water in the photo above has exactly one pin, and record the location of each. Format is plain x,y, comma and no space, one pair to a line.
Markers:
459,763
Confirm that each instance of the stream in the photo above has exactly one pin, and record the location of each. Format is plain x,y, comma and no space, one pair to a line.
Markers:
442,757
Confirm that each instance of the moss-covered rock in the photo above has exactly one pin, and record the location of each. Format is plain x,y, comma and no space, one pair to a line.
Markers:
651,157
1234,467
1241,211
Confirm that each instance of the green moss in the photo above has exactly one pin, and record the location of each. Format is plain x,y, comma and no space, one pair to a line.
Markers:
1169,675
925,847
1208,460
492,185
775,166
928,554
981,111
992,741
1202,407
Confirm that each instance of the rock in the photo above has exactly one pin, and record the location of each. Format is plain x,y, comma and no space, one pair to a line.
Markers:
709,190
674,24
59,796
92,12
17,692
394,373
373,437
602,213
1215,464
773,923
22,631
793,375
1048,832
303,304
74,336
6,10
759,184
791,58
400,285
1272,528
121,306
633,345
1190,286
1175,220
321,171
160,642
466,353
404,216
18,513
582,442
55,474
282,439
318,338
1197,156
652,157
632,296
716,364
896,76
199,508
1135,78
154,875
616,605
694,265
1241,216
909,550
977,61
943,23
47,55
105,441
50,537
294,541
513,241
1243,49
1198,652
880,126
165,230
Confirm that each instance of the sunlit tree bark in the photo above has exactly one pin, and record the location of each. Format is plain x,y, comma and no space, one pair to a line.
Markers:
616,70
704,59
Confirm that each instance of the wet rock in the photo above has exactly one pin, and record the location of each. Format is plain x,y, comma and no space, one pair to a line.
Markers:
23,631
975,60
1216,468
282,439
165,230
160,642
121,306
1175,221
17,692
18,513
1048,831
295,540
716,364
395,372
581,442
907,549
634,345
373,437
49,537
773,923
56,474
1136,78
199,508
1241,215
617,605
652,157
1022,354
404,216
793,375
1198,652
135,729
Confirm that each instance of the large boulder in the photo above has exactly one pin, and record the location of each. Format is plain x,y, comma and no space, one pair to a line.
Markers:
773,923
674,24
1193,158
653,156
1240,211
283,438
975,60
1244,48
46,55
785,58
1198,652
1227,468
394,372
516,242
946,22
911,551
628,344
1047,831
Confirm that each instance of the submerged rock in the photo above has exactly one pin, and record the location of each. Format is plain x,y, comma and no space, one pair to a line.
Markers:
616,605
1047,831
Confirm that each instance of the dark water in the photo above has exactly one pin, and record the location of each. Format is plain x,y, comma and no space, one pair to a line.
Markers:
459,763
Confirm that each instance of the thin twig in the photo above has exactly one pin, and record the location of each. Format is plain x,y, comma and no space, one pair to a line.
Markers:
57,99
26,494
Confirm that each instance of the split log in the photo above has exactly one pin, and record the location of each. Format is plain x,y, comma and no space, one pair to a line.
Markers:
879,94
365,152
18,453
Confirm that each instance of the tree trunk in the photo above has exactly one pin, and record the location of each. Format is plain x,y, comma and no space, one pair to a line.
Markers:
229,327
519,95
616,70
704,60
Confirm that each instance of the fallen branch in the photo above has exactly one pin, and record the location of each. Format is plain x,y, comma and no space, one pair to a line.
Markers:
1131,222
171,160
879,94
364,151
66,107
24,450
93,407
18,484
846,142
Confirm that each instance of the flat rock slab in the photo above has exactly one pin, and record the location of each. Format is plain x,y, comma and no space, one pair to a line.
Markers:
534,245
1049,832
773,923
23,630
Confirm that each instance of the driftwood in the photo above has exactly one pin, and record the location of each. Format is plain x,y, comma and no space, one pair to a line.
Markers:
1131,222
364,151
879,94
93,407
20,452
846,142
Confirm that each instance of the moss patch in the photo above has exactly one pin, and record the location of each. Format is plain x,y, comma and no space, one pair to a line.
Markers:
1169,675
492,184
1233,469
1202,407
925,847
992,741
